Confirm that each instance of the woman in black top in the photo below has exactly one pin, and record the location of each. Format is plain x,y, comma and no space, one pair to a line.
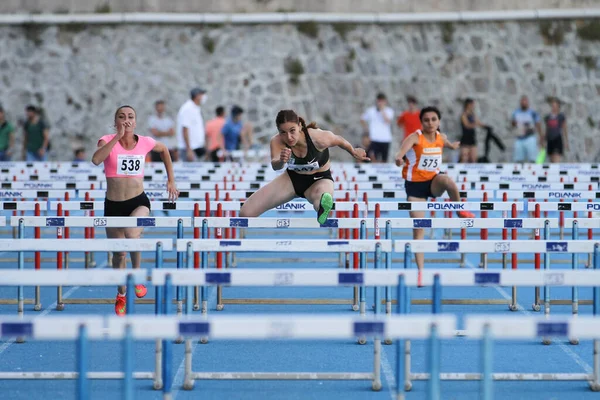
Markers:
468,122
305,150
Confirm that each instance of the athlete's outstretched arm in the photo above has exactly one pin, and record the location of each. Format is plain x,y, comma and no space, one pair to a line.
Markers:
453,145
166,157
405,147
327,139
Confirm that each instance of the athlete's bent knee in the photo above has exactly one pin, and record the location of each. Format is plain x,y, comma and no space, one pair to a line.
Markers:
119,256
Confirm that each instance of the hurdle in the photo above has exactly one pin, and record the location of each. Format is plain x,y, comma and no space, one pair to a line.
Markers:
515,246
22,327
488,329
57,245
60,223
269,245
521,278
289,327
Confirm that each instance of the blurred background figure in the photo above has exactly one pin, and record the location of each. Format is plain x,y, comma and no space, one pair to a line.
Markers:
236,134
409,120
190,127
526,122
377,121
556,132
214,136
468,141
7,137
36,136
162,128
79,155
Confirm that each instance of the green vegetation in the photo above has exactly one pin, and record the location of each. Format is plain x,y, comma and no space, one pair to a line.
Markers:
447,29
553,32
294,68
310,29
208,43
103,9
589,30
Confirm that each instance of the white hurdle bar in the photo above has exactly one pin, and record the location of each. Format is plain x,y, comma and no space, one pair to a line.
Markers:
102,222
20,246
287,327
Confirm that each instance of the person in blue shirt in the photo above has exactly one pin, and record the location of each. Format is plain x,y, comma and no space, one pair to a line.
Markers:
232,131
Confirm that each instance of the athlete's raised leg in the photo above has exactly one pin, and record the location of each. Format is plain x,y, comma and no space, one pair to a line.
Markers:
443,183
280,190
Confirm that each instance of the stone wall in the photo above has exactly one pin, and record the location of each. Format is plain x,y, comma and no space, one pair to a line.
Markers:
328,73
236,6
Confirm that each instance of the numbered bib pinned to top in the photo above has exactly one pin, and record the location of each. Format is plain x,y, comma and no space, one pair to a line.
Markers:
130,164
430,162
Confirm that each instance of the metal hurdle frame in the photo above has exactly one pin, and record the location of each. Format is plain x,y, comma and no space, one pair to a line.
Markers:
289,327
37,207
203,246
496,278
60,223
382,278
488,329
69,325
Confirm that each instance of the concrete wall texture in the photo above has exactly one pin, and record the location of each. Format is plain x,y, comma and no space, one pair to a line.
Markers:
328,73
233,6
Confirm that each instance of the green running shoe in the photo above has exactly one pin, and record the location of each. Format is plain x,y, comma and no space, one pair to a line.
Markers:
325,208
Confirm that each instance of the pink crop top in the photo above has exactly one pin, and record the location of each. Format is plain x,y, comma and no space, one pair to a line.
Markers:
122,163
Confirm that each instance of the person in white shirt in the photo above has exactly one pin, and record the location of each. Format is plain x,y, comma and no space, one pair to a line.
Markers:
162,128
377,120
190,127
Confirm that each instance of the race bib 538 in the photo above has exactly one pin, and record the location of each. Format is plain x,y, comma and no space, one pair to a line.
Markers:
129,164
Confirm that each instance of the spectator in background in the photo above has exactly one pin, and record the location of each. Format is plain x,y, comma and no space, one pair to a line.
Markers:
468,140
162,129
409,119
214,136
79,155
377,120
527,122
556,132
232,131
190,126
36,136
7,137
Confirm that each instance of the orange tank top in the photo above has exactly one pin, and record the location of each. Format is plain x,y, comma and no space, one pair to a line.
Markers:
422,162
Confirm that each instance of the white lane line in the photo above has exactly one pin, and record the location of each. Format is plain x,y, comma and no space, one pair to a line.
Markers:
388,372
46,311
575,357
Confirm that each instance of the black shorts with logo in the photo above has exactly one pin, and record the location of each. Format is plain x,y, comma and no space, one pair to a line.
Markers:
125,208
302,182
420,190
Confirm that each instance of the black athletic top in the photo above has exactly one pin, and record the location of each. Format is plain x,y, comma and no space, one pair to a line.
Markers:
314,159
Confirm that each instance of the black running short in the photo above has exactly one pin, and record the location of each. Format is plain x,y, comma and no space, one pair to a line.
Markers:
379,151
302,182
125,208
555,146
421,190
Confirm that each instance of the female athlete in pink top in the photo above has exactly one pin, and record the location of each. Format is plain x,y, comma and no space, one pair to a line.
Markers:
123,155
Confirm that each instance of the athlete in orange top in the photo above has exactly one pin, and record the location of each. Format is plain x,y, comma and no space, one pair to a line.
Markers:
421,153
